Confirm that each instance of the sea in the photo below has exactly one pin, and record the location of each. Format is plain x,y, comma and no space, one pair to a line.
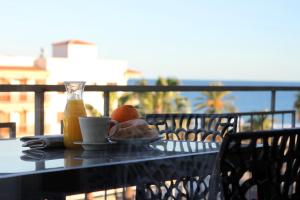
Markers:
243,101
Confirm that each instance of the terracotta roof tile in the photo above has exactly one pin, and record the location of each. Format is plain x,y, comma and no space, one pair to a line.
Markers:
133,71
80,42
29,68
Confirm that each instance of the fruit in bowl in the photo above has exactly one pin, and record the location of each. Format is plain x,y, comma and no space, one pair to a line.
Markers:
130,125
125,113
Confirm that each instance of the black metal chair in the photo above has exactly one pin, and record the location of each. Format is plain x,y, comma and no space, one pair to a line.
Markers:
259,165
193,127
12,128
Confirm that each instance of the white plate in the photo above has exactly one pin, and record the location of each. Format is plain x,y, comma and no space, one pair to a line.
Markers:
93,146
135,141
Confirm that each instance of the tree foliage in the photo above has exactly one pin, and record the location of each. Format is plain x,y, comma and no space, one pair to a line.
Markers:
157,102
215,101
297,105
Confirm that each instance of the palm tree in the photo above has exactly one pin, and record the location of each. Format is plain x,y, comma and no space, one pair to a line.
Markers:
183,105
160,101
145,99
141,100
91,111
297,105
156,102
169,102
215,101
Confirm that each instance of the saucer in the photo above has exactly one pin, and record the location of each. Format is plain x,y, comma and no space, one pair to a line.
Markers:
93,146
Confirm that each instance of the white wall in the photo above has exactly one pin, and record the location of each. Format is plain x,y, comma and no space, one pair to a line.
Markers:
19,61
93,71
90,70
82,51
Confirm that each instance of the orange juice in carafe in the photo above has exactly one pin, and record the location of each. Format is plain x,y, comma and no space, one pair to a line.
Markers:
73,110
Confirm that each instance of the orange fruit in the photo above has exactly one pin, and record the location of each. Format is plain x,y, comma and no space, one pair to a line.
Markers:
125,113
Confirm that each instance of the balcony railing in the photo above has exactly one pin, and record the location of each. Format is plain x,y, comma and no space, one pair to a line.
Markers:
282,118
39,91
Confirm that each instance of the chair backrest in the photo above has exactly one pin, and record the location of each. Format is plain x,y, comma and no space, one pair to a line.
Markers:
193,127
261,165
11,126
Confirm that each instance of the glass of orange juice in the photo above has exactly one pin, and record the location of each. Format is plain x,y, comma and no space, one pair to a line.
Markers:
73,110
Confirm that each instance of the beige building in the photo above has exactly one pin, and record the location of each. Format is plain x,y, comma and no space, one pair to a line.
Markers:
70,60
18,106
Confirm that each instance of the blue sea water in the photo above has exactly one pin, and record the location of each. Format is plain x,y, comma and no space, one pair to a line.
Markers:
244,101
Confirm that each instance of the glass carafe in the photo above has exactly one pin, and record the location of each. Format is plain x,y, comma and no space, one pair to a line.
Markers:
73,110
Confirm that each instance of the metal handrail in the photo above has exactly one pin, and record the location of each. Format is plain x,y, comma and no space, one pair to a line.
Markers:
39,91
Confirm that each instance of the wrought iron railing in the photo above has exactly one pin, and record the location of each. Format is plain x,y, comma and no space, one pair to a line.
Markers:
274,119
39,93
195,126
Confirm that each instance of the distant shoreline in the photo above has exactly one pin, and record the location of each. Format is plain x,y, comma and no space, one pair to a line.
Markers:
243,101
226,82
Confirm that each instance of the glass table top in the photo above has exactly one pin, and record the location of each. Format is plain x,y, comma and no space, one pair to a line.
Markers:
17,160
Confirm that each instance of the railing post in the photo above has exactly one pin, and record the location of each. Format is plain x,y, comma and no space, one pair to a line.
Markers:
39,112
273,100
106,103
294,119
11,126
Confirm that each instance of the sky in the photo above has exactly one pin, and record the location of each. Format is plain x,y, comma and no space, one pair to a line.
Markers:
186,39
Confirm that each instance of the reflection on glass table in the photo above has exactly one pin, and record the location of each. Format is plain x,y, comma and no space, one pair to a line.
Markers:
115,166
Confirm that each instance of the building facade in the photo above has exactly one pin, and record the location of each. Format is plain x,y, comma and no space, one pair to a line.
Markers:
71,60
